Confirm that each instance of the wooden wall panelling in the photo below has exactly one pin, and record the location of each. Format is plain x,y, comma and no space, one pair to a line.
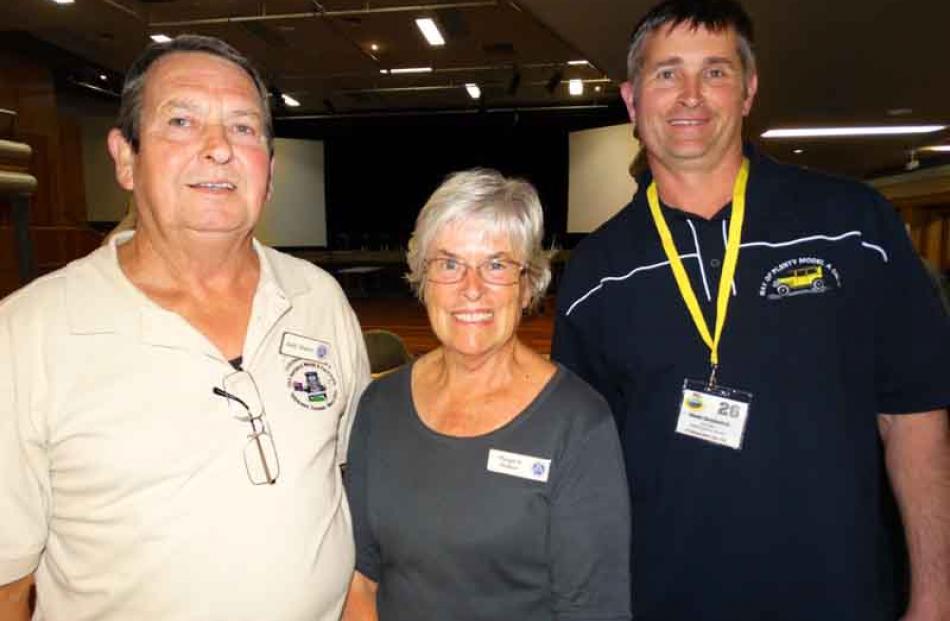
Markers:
72,186
58,220
9,276
928,223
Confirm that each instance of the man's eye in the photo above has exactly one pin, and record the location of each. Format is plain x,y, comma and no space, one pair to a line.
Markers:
247,130
666,74
716,73
179,121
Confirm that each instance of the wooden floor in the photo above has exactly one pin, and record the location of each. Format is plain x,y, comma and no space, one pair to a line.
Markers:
407,318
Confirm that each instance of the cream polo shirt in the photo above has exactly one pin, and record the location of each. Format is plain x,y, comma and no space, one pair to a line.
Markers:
122,476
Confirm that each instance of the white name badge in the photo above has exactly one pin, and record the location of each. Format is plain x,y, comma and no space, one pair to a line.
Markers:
303,347
517,465
717,415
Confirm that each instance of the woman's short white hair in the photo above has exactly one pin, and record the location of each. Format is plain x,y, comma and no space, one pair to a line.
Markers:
503,205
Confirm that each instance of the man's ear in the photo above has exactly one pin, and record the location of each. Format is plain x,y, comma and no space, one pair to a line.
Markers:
270,179
626,93
751,88
123,158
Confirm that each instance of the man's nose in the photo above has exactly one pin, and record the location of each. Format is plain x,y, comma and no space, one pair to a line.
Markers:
217,146
691,92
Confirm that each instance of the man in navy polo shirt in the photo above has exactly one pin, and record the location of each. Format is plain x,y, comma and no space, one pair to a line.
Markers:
773,352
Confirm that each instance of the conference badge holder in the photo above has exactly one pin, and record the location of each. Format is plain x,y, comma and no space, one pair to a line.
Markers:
714,413
709,411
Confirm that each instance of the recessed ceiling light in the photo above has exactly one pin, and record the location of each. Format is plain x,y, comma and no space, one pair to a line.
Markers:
798,151
575,87
374,47
831,132
430,31
937,148
290,101
598,88
900,111
577,62
399,70
103,77
161,38
63,1
473,91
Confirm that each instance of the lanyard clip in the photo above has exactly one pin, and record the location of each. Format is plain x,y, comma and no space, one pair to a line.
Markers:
712,376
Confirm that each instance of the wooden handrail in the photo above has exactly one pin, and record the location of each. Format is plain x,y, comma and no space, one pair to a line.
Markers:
15,151
16,183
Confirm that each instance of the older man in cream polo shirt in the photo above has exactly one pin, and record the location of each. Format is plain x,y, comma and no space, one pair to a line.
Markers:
173,407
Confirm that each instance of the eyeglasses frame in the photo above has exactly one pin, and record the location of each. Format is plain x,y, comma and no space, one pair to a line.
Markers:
255,434
522,270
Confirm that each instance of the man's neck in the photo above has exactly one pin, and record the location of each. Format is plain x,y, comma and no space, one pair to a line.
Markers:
700,191
191,267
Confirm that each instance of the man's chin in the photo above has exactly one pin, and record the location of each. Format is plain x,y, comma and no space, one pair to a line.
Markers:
219,230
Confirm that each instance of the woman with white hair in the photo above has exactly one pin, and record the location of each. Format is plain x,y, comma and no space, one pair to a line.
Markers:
485,482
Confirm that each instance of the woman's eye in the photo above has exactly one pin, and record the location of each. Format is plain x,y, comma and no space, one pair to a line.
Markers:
179,121
247,130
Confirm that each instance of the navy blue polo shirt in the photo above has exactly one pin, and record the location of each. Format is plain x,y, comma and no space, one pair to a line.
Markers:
832,320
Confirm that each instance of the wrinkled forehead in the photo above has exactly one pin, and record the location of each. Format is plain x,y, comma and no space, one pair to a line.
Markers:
690,39
476,236
197,74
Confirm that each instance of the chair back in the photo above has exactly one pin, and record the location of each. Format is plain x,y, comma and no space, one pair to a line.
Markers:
386,350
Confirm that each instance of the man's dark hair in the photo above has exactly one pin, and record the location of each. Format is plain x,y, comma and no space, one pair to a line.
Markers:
713,15
130,109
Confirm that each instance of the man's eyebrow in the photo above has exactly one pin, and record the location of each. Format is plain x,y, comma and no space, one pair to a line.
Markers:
669,61
242,113
719,60
179,104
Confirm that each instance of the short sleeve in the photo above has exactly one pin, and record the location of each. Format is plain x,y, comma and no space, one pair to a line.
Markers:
912,329
590,527
24,472
356,478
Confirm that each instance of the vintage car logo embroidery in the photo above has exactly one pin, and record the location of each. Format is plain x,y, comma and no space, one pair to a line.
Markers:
800,276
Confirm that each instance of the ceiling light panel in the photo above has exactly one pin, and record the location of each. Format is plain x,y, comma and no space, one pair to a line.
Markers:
835,132
403,70
160,38
575,87
290,101
430,31
473,90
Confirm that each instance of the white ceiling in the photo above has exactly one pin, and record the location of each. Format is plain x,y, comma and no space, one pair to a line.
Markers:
820,61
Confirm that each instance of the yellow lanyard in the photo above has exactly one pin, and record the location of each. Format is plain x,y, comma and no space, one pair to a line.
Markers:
728,265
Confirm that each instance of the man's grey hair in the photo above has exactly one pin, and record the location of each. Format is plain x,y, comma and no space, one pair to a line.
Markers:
713,15
484,198
130,109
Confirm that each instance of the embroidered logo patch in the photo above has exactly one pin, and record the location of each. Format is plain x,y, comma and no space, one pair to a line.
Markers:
312,384
800,276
